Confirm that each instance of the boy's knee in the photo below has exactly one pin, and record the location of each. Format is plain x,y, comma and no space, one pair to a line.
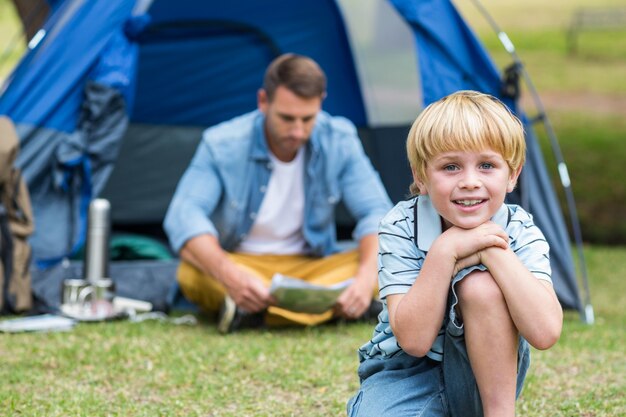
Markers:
479,289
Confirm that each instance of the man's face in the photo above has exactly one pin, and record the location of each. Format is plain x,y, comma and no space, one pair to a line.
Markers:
467,188
289,121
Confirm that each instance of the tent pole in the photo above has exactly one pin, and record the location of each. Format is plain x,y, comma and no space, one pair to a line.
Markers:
587,314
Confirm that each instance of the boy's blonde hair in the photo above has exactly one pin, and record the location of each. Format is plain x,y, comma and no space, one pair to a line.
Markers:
467,121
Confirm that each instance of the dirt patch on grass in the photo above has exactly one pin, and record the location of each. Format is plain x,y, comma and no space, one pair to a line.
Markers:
584,102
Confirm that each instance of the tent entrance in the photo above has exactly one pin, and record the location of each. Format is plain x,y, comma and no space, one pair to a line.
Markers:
199,72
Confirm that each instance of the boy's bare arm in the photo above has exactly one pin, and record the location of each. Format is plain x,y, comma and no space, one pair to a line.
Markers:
416,316
532,302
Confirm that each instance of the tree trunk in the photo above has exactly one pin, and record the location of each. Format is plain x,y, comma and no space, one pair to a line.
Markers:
33,14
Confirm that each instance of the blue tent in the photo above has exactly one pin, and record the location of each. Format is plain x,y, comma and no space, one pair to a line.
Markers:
112,98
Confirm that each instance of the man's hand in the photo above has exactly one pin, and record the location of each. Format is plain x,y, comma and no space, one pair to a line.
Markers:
247,291
354,300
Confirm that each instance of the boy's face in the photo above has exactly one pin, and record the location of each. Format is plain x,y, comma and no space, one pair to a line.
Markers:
466,187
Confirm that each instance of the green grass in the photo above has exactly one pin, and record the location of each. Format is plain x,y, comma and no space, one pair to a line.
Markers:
597,67
530,15
592,146
585,373
159,369
539,31
149,369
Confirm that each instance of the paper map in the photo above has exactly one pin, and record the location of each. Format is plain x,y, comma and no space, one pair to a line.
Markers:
296,295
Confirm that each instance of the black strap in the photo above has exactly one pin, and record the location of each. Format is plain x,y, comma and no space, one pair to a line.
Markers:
415,221
17,212
6,254
508,217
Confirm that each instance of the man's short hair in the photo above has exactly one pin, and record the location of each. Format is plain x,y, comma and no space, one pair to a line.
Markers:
299,74
466,121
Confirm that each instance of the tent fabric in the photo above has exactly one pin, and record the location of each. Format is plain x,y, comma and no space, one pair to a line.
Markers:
111,101
198,44
74,171
46,91
68,97
450,56
386,62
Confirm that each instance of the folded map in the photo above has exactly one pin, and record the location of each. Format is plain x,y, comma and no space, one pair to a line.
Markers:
297,295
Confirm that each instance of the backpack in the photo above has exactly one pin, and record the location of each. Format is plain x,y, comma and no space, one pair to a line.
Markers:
16,225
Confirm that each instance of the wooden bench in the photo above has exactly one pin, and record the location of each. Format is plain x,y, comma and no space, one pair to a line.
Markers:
587,19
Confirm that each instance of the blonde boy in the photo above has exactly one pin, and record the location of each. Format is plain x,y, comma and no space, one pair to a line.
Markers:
464,278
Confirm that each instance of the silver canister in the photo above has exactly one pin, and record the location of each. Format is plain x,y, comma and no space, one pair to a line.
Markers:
97,246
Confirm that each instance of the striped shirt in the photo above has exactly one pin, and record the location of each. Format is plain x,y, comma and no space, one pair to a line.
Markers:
404,244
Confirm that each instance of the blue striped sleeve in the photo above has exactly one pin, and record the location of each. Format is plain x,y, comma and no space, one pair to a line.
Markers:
529,244
399,260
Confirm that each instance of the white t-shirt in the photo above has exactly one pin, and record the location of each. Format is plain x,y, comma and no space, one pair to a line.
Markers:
277,228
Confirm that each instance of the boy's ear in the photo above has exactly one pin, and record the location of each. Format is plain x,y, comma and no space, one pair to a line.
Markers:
419,183
513,179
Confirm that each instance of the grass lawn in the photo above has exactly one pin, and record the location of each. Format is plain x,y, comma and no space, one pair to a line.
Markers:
159,369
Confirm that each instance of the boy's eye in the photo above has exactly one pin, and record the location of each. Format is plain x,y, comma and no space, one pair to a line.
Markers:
450,167
486,165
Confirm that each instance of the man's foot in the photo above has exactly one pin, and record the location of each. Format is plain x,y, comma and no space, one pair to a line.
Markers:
231,318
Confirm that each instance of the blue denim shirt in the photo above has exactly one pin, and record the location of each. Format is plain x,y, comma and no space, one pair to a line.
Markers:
221,191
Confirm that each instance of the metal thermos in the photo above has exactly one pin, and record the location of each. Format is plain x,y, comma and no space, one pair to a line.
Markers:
97,247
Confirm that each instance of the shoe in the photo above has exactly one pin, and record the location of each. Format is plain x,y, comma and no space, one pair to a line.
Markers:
231,318
227,313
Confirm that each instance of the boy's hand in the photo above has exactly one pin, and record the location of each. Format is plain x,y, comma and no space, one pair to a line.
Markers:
473,259
465,244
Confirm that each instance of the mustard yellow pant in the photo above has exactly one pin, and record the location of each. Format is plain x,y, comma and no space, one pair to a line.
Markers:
208,293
